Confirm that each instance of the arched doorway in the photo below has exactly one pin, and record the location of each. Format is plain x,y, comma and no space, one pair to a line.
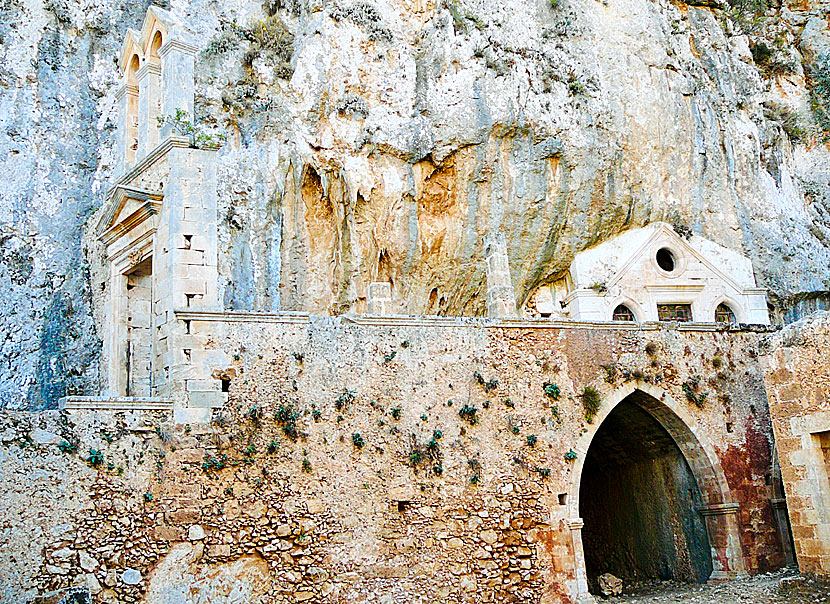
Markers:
642,434
639,501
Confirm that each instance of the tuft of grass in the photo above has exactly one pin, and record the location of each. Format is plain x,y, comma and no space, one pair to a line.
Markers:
270,37
790,120
366,16
357,440
591,402
531,440
819,84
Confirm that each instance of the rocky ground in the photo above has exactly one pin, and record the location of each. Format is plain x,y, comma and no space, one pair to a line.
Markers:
783,587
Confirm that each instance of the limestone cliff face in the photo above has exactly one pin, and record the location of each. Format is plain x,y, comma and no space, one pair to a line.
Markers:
399,136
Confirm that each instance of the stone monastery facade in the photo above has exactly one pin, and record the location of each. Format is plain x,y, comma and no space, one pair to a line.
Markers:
618,423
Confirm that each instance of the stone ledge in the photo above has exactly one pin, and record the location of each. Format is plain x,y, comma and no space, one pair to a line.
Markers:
300,317
241,316
719,509
115,403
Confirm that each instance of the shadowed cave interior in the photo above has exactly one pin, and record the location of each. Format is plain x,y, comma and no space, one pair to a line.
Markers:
639,499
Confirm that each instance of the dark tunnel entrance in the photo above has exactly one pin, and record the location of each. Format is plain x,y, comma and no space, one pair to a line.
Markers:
639,499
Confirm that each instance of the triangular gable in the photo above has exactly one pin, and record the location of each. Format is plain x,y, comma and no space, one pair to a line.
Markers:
665,229
130,47
124,202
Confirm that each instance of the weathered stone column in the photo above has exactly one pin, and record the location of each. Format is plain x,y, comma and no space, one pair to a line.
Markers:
501,298
186,254
582,595
723,528
127,98
177,75
379,298
149,97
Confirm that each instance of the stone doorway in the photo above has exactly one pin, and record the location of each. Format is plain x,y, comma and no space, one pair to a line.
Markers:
640,503
139,348
648,422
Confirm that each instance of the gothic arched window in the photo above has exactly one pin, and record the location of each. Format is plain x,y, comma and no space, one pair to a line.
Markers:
623,313
724,314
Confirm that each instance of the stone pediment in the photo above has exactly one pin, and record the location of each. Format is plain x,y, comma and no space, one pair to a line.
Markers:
126,208
667,235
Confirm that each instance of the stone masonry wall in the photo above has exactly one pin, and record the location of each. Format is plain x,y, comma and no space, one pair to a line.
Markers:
797,377
342,469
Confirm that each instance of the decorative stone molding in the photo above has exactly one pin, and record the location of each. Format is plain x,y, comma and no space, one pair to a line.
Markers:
114,403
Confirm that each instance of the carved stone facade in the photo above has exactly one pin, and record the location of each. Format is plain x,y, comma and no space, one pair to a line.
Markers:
652,274
159,228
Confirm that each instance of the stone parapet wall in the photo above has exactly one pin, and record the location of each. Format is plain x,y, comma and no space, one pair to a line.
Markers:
797,377
342,467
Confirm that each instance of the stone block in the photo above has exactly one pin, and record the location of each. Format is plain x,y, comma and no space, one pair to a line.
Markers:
203,385
205,400
186,415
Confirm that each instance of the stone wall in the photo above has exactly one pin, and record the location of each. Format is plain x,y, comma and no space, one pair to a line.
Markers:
797,376
347,464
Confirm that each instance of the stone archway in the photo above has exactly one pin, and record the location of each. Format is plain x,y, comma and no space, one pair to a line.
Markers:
717,508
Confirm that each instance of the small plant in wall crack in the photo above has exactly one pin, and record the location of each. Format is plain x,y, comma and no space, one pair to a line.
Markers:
287,418
344,399
489,385
552,390
96,458
475,466
690,389
469,414
211,462
611,372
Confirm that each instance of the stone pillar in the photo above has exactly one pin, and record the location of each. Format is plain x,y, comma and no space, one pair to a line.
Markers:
116,337
379,298
149,95
177,74
186,256
723,529
501,298
127,99
582,596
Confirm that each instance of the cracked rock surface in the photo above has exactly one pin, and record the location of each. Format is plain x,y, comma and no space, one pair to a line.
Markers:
395,138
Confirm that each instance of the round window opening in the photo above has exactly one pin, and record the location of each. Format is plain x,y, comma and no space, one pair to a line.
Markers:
665,259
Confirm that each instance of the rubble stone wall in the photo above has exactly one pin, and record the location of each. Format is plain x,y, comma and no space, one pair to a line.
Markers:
347,465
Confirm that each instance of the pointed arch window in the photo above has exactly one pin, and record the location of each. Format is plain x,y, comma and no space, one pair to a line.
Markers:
623,313
724,314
